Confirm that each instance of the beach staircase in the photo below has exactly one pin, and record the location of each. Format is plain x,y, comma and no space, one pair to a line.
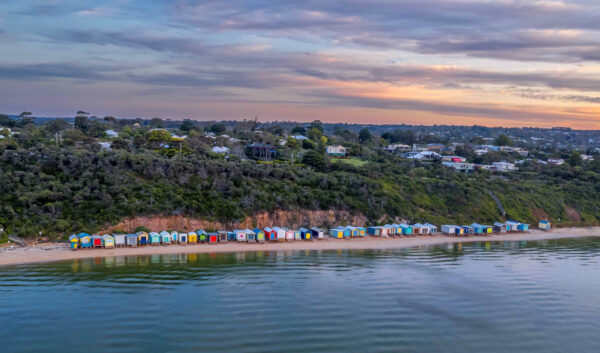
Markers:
497,200
17,240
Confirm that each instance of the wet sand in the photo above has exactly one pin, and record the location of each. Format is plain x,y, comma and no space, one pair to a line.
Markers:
47,252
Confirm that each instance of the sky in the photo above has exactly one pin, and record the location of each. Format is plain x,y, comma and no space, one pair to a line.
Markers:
462,62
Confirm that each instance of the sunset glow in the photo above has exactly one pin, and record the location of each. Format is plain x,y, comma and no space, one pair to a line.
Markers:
497,63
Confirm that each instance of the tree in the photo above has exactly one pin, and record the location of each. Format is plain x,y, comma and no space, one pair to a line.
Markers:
574,158
110,119
81,123
317,124
187,125
218,129
298,130
156,123
293,145
504,140
315,160
57,125
6,121
477,140
120,144
364,135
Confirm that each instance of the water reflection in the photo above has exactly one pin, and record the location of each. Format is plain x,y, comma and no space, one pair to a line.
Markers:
483,296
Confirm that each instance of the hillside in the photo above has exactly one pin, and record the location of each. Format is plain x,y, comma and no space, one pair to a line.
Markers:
72,189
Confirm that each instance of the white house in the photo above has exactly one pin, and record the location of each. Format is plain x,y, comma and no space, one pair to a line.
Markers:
459,166
398,147
556,161
337,151
220,149
111,133
504,166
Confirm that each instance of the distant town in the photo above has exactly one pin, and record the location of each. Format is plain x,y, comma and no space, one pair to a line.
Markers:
460,148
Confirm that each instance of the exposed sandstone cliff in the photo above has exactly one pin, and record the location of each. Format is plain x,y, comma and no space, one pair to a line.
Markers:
291,219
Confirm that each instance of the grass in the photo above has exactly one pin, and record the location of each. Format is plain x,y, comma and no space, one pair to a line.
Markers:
354,161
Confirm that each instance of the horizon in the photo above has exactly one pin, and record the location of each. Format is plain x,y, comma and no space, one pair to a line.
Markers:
510,64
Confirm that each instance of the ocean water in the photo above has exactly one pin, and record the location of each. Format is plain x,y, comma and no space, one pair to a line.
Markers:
479,297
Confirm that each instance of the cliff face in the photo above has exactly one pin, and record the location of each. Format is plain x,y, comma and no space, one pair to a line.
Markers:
290,219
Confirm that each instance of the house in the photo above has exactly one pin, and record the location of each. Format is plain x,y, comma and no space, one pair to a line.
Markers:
165,237
387,230
504,166
511,226
74,242
289,233
456,159
220,150
213,238
420,229
241,235
435,146
96,241
120,240
202,236
132,240
449,229
468,230
143,238
231,236
523,227
250,236
192,237
317,233
174,236
432,228
486,230
394,148
154,238
478,228
85,240
406,229
297,235
280,233
270,234
354,231
336,233
336,151
261,151
108,241
305,233
459,166
260,235
361,231
223,236
556,161
499,227
422,156
375,231
299,137
544,225
182,238
111,133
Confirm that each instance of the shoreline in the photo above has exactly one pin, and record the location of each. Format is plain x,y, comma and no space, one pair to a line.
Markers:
51,252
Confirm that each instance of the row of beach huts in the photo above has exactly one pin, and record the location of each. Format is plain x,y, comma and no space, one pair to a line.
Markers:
281,234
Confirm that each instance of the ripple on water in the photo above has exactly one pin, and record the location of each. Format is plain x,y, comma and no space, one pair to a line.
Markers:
486,296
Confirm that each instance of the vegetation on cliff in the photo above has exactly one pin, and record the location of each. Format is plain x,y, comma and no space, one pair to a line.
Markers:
74,185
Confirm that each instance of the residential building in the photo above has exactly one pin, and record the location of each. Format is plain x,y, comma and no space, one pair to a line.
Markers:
336,151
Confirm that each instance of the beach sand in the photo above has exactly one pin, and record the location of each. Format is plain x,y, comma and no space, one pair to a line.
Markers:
47,252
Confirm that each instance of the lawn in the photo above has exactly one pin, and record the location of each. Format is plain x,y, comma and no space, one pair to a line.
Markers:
354,161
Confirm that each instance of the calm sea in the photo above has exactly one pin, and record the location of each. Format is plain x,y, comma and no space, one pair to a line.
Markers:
481,297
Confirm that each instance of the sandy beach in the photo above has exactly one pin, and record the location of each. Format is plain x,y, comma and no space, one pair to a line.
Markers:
47,252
